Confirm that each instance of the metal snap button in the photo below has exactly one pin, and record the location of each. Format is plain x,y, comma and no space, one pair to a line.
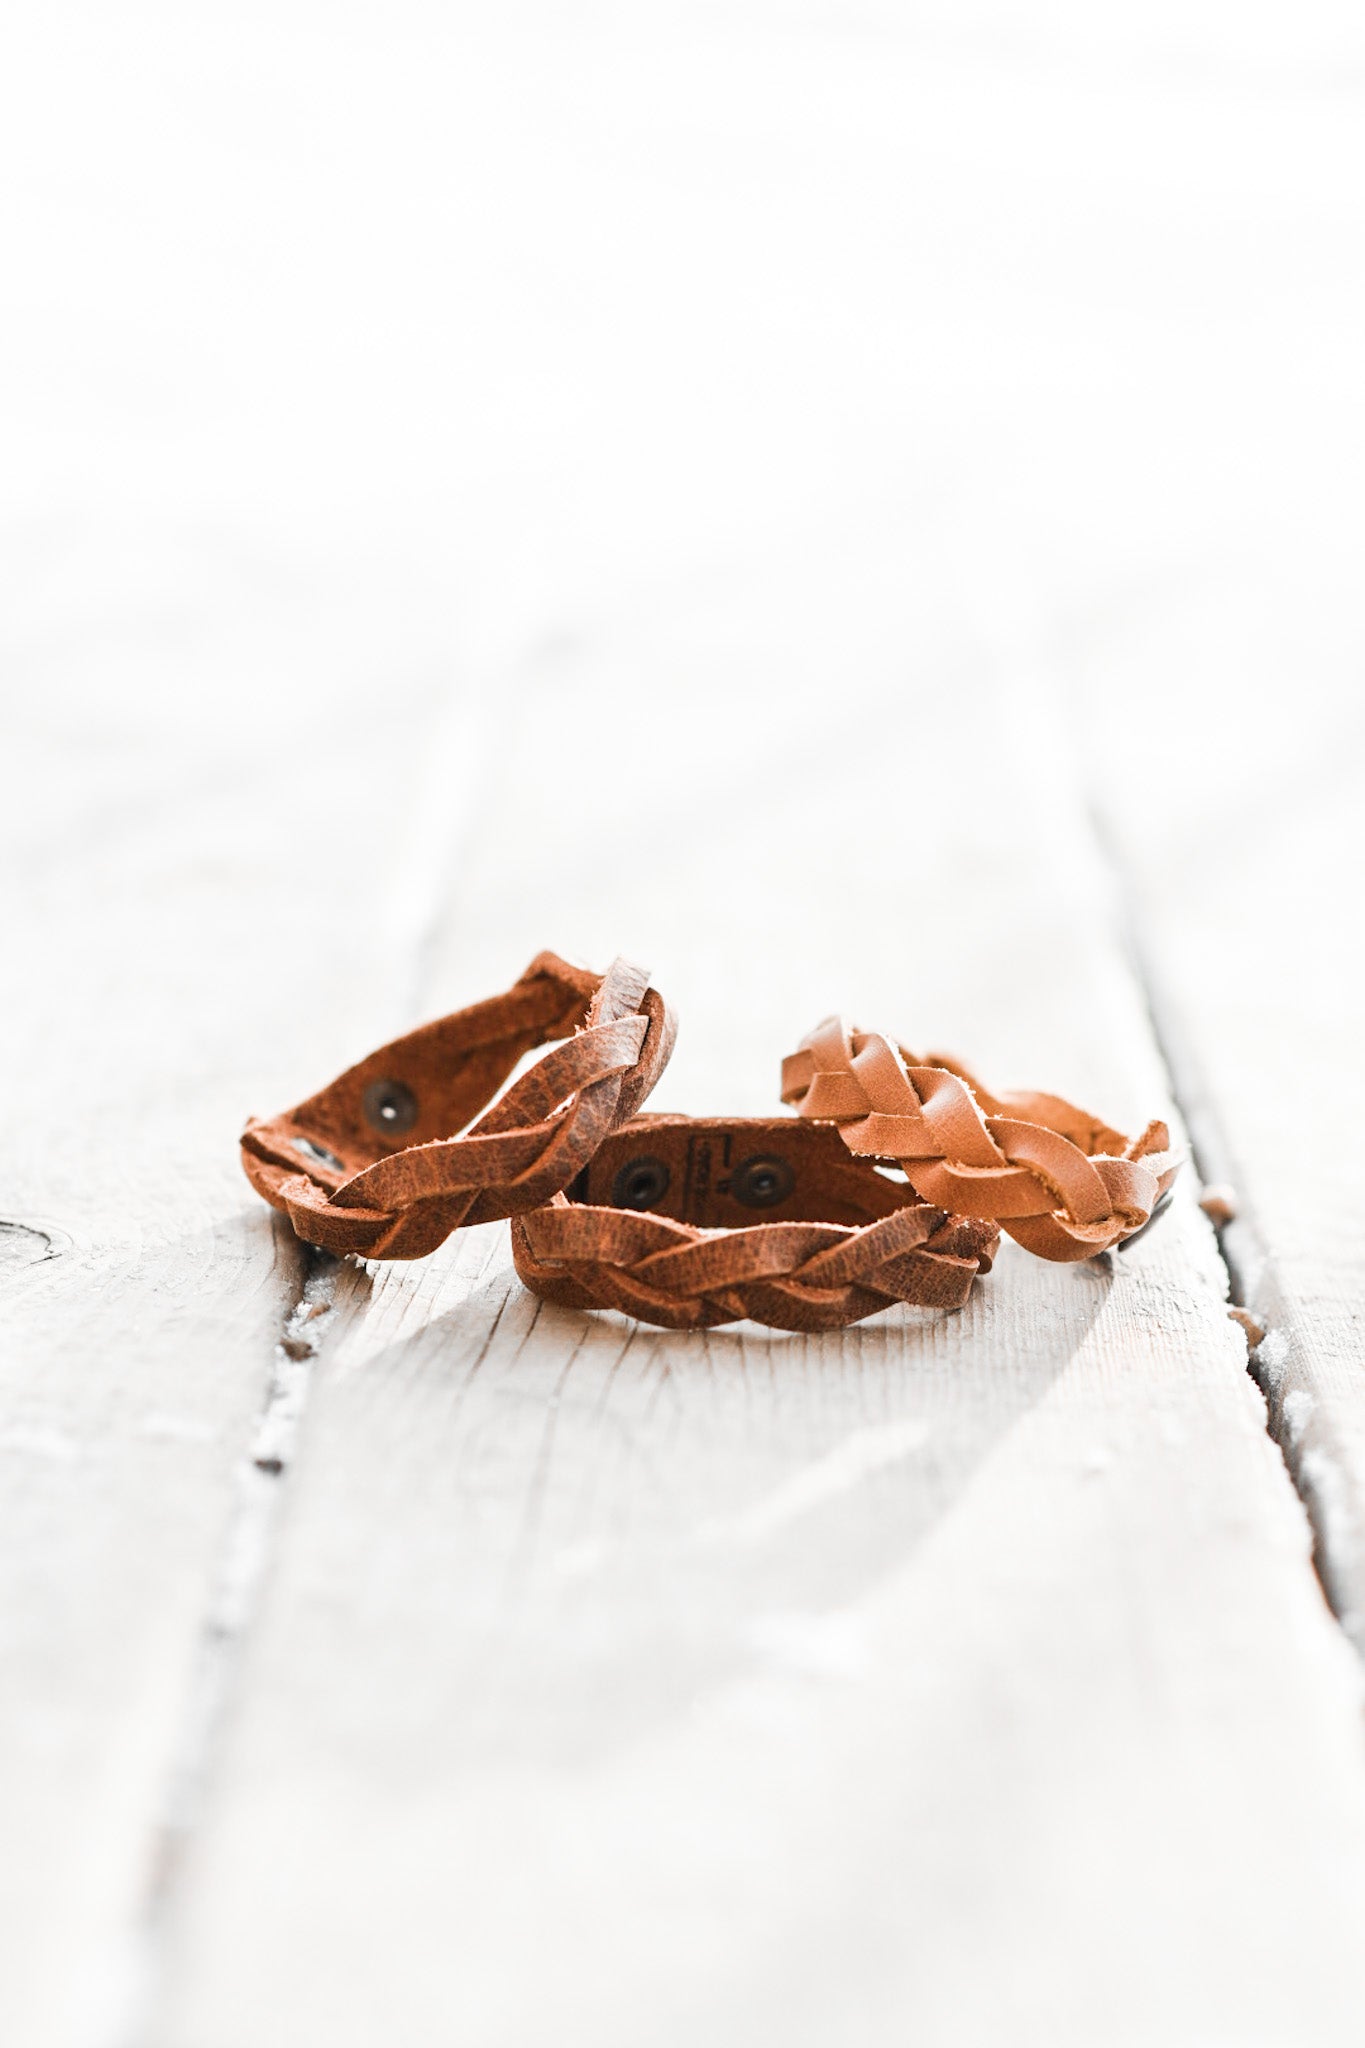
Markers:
389,1106
640,1184
761,1181
311,1149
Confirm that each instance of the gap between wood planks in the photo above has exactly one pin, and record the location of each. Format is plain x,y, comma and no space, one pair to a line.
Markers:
420,898
234,1597
249,1540
1253,1284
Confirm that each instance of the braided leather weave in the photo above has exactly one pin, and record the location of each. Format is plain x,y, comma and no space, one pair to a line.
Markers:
841,1243
333,1166
1060,1182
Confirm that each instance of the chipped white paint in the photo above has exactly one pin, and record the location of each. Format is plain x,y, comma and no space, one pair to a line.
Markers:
1272,1357
172,981
1242,845
1296,1409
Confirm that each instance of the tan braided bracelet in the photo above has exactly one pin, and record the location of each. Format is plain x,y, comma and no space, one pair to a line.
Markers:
372,1164
693,1221
1060,1182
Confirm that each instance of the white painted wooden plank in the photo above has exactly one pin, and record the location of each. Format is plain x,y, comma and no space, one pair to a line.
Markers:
927,1682
178,956
1243,732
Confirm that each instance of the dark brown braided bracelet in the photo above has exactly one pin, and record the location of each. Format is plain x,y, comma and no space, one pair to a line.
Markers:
372,1164
693,1221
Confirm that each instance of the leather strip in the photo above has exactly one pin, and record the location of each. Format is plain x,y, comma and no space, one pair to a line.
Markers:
1063,1184
768,1219
337,1168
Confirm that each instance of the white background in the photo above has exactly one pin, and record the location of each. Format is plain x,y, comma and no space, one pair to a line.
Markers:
344,344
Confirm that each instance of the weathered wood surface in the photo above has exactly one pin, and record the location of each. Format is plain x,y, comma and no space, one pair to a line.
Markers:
1244,870
733,495
167,970
749,1687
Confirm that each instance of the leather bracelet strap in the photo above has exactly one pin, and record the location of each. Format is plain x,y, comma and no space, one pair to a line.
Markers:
1060,1182
693,1221
335,1164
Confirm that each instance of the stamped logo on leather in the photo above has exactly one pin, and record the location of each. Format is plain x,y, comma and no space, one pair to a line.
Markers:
697,1187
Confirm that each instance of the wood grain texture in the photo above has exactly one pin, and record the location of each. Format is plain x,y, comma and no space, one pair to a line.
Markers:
914,1683
168,977
759,409
1243,859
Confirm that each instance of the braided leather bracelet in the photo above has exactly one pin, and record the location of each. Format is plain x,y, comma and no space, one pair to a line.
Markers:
1060,1182
371,1165
664,1225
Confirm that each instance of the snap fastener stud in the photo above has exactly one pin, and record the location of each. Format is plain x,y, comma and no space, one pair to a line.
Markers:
640,1184
389,1106
761,1181
312,1150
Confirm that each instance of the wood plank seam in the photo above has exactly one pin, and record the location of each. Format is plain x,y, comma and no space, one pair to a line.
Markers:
437,835
796,1692
230,1608
1253,1284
